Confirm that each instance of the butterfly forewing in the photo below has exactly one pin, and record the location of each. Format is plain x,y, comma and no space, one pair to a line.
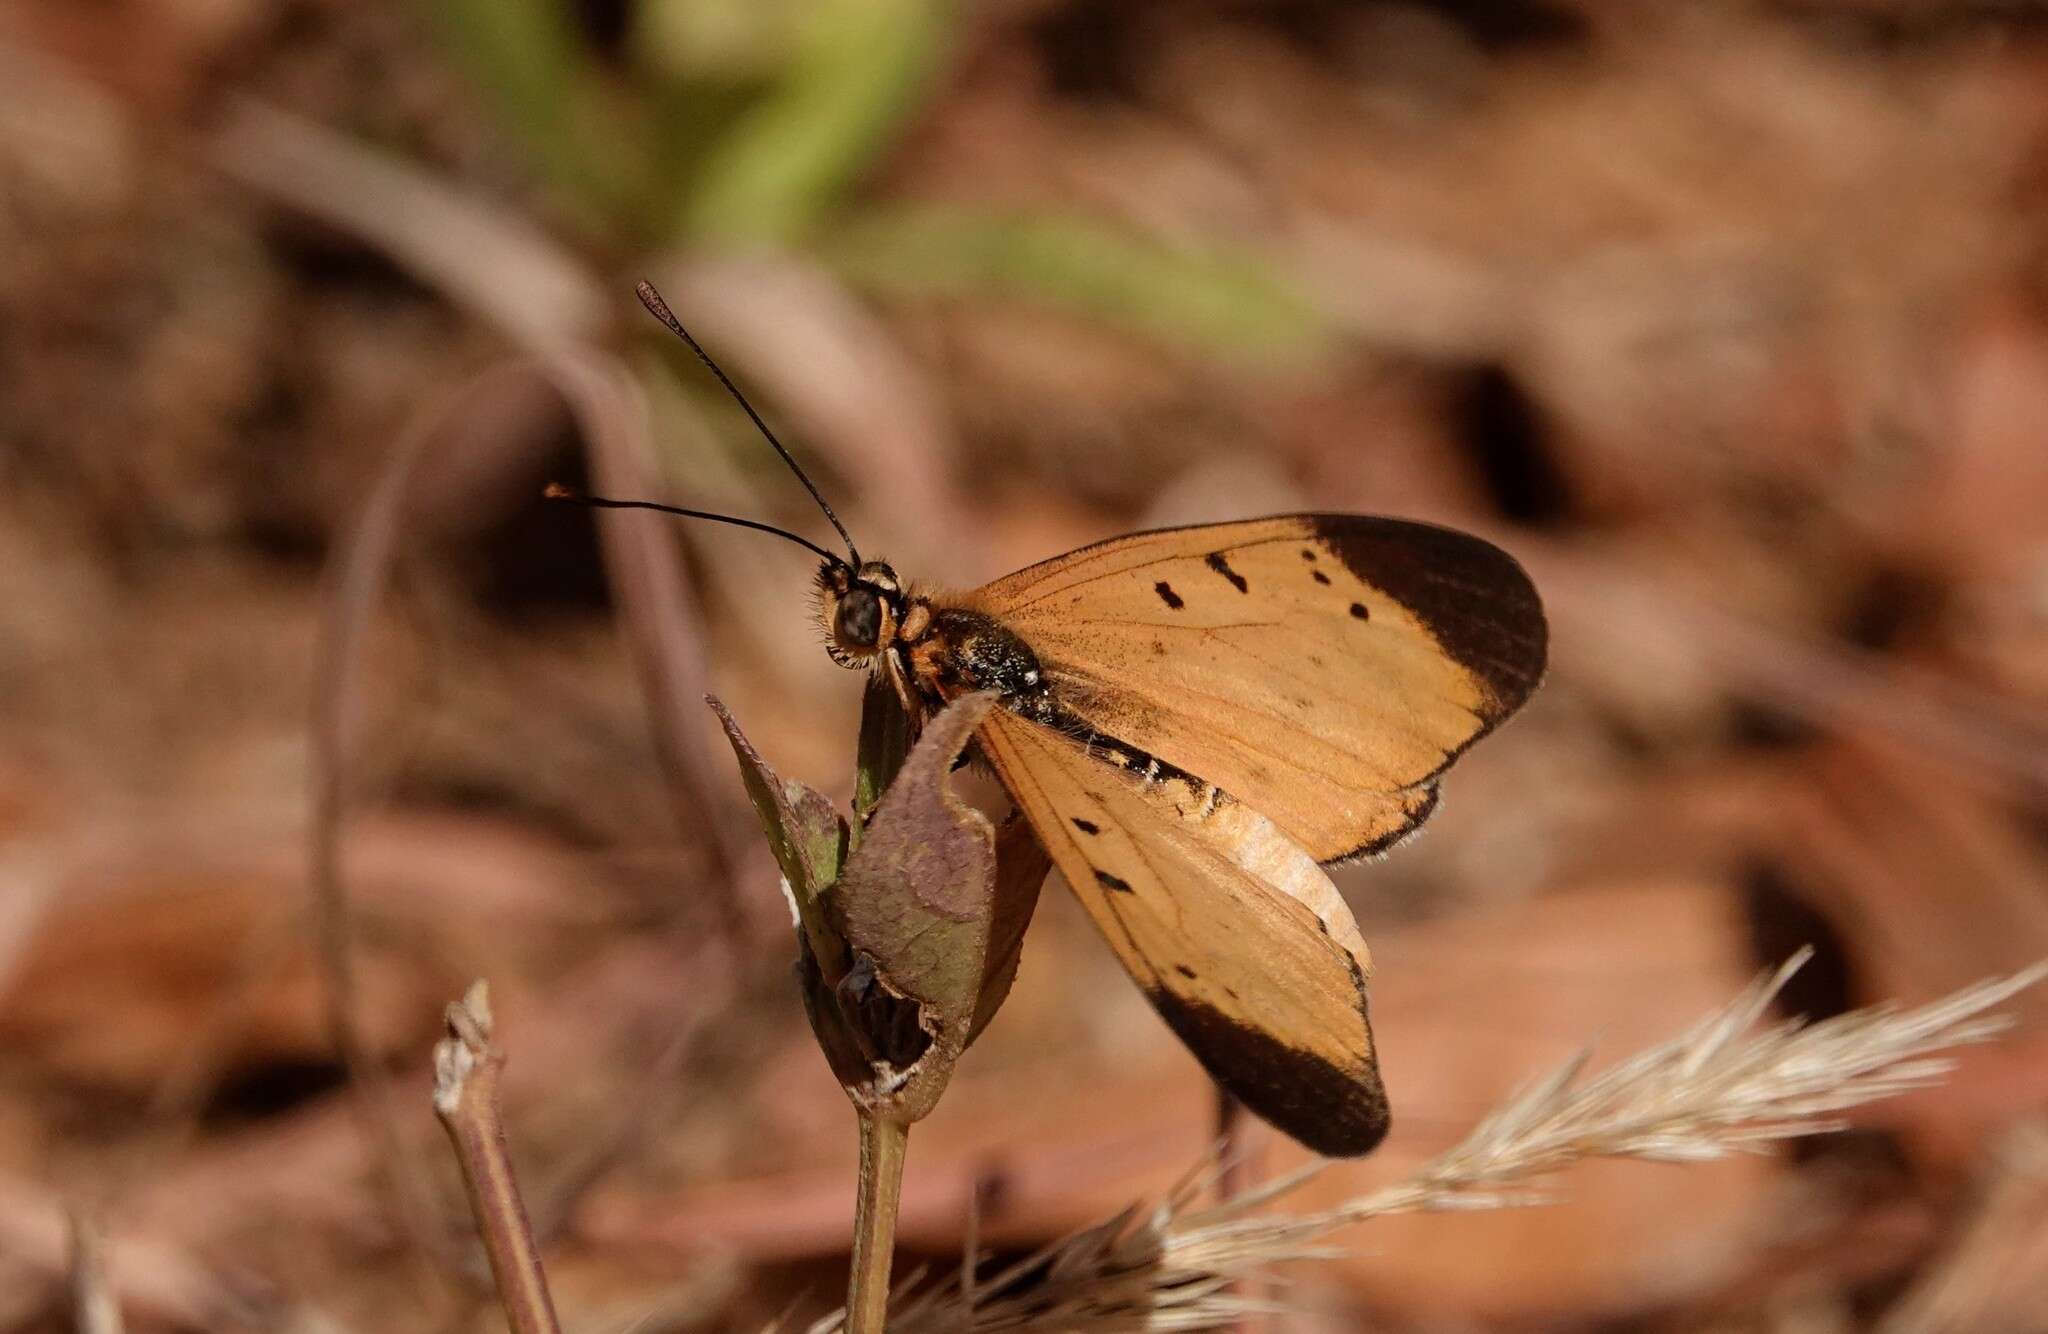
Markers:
1235,935
1322,668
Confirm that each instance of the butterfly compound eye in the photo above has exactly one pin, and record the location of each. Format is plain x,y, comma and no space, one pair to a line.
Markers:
858,622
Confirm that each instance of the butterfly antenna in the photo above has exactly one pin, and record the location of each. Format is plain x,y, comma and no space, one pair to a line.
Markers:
556,491
659,309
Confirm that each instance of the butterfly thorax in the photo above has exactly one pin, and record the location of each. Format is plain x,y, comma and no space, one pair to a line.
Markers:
961,651
931,652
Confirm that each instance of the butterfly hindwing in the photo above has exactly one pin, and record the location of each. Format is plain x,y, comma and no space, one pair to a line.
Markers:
1322,668
1234,934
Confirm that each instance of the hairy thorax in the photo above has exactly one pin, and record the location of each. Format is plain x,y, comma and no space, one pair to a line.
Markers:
960,651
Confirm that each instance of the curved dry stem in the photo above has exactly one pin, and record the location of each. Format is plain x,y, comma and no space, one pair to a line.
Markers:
545,300
663,624
355,580
490,261
94,1307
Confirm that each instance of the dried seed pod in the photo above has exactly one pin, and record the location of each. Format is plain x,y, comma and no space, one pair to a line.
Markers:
908,946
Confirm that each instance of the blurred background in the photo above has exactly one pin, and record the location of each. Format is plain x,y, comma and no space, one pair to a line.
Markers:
1729,319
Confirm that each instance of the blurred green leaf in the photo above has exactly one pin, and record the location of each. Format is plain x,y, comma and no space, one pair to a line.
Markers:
1217,300
859,67
528,58
725,41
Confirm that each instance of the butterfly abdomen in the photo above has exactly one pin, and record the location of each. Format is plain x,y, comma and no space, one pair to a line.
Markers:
964,651
967,650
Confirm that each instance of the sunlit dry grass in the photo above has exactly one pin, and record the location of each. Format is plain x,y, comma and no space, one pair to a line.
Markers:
1725,1086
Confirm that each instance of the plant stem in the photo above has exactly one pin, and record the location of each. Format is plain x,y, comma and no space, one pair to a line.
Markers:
95,1309
466,1067
882,1143
1238,1172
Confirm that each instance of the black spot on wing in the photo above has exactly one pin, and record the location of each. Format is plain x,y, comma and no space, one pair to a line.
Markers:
1117,883
1359,613
1321,578
1184,971
1087,826
1470,595
1215,561
1336,1112
1168,596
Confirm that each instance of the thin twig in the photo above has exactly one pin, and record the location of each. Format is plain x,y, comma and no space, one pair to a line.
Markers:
970,1243
466,1069
354,581
882,1144
156,1280
1237,1171
664,633
95,1310
984,1197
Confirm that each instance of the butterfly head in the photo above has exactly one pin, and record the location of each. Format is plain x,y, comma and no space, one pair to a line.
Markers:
862,604
860,608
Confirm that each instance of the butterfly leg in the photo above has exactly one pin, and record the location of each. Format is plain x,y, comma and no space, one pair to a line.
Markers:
898,670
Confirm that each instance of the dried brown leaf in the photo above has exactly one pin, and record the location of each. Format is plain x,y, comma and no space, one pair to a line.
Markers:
806,835
919,906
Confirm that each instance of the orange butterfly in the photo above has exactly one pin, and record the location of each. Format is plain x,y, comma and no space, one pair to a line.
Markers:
1192,720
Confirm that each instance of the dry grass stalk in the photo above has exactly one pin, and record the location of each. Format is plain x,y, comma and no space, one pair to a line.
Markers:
1237,1172
1723,1087
466,1070
496,264
94,1307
